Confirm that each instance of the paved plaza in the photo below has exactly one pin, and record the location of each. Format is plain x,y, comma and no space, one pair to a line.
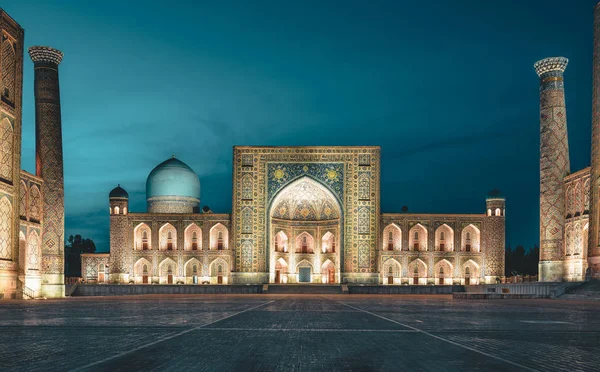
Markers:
298,333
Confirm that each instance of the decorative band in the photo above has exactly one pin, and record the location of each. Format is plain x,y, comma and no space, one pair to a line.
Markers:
552,78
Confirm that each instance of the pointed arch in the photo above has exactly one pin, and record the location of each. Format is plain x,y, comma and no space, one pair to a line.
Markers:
9,65
167,237
470,272
392,238
22,249
417,237
167,271
219,271
23,200
142,271
34,252
328,243
280,242
444,238
142,237
442,271
219,237
417,270
305,243
193,269
6,227
470,238
391,271
35,201
192,237
6,150
328,272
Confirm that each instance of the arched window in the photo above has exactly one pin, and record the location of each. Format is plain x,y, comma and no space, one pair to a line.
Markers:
416,235
194,270
333,245
220,240
441,270
391,241
442,236
194,241
145,270
101,268
468,236
467,270
277,243
391,270
304,245
145,240
220,270
169,241
169,270
117,210
124,210
498,213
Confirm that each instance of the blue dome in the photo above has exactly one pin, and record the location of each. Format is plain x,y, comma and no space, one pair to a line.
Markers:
173,178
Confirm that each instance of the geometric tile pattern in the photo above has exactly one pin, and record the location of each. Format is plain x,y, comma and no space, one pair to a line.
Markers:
594,230
49,156
554,157
5,229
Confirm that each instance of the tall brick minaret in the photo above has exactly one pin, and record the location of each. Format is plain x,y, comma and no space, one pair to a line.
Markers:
49,165
594,243
554,166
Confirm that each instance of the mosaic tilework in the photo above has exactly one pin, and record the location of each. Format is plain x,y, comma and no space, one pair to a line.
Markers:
336,168
6,237
554,158
6,150
49,158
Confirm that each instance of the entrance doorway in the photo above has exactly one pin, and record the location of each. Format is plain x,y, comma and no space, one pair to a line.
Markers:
220,279
391,279
145,279
331,275
277,276
170,279
304,275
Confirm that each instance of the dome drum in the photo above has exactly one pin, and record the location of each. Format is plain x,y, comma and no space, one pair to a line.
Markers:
173,204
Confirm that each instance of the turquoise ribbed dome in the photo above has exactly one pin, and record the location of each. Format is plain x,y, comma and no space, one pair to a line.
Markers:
173,178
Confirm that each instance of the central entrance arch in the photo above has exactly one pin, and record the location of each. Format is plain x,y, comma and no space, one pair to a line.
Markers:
305,226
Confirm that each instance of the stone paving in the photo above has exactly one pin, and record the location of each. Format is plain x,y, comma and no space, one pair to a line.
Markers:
298,333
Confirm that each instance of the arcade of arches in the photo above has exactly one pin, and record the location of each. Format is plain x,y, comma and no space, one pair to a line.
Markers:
305,225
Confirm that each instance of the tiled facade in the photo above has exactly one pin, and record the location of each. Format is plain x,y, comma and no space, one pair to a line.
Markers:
31,206
301,214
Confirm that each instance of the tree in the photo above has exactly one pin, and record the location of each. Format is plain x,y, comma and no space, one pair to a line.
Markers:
73,250
521,262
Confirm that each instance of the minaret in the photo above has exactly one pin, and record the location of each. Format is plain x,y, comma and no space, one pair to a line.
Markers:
49,166
554,166
494,237
593,243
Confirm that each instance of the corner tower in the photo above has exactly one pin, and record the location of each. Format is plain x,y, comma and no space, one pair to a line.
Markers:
49,165
554,166
119,258
494,238
594,241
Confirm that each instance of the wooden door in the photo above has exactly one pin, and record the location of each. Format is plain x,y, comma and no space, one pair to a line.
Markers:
169,279
277,276
415,280
467,281
441,281
391,279
220,279
145,279
101,277
331,275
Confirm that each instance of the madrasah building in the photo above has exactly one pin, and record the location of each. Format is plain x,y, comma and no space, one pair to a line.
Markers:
300,215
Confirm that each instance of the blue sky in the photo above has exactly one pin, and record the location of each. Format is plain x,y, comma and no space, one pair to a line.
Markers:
446,88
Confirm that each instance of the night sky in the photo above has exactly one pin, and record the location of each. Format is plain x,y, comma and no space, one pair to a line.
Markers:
446,88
